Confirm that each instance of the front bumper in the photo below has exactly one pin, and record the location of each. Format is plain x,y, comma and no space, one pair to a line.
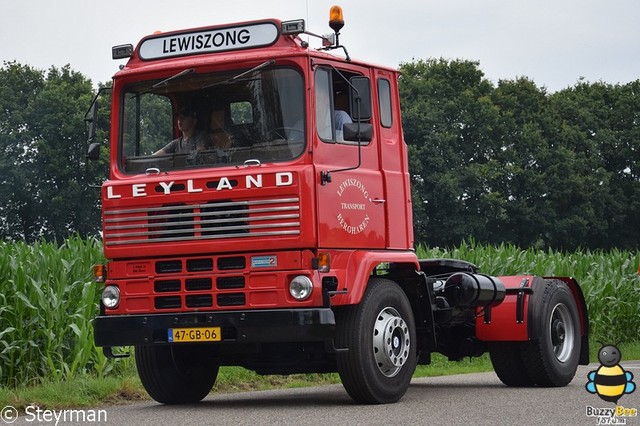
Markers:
259,326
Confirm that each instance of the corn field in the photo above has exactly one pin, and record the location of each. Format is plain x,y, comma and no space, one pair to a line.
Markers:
47,299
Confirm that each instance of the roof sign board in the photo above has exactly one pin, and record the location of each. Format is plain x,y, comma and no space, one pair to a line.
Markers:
209,41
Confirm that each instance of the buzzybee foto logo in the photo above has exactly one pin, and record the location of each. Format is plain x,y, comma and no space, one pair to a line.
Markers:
610,382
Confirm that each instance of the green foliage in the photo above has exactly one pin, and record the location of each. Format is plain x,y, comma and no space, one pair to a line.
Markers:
511,163
154,131
43,179
47,299
609,280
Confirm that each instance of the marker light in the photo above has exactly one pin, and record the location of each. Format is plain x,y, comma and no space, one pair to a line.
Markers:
336,21
300,287
293,27
122,51
111,297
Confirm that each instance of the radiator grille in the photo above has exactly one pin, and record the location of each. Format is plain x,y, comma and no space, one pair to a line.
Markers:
212,220
199,292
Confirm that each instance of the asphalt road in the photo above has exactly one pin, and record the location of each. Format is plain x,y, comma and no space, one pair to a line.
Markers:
470,399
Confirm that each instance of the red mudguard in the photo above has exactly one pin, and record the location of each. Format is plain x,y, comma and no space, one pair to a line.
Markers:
512,319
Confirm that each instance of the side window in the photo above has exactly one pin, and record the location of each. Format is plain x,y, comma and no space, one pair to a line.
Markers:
334,103
324,116
241,113
384,101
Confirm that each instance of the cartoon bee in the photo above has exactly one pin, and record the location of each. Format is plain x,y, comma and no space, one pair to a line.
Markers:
610,381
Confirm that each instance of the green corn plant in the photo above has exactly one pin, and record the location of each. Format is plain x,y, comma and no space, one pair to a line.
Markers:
47,301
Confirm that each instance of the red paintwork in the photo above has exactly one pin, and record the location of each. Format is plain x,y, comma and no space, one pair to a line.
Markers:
265,287
503,326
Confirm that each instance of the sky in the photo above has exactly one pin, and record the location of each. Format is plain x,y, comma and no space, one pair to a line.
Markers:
555,43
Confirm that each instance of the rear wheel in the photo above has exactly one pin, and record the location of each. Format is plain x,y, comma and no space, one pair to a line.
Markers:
380,336
175,374
508,364
552,358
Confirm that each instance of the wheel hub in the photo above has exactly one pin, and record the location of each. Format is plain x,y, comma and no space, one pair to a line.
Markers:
561,332
391,342
557,332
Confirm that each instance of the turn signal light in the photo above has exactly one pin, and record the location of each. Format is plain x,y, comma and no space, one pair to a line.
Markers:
324,262
99,273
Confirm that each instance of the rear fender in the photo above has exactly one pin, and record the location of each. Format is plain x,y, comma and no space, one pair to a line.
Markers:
513,320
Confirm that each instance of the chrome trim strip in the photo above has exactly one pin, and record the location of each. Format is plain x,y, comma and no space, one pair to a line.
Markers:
205,222
205,230
205,237
201,206
200,214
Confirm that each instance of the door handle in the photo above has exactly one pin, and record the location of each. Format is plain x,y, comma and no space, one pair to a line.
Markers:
377,200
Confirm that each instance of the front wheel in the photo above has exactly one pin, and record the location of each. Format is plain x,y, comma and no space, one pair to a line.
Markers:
174,374
379,334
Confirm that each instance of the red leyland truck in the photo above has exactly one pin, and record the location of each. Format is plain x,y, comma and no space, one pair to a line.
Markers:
275,232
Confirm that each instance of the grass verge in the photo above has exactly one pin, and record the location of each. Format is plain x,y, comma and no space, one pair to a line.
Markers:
94,392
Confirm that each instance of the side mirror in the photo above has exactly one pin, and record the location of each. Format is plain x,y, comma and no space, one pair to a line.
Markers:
362,96
93,153
355,132
92,118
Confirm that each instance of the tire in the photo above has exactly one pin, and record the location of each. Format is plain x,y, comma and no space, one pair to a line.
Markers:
174,374
507,362
381,340
552,359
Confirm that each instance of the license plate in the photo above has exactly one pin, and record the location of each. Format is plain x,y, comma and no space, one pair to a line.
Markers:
200,334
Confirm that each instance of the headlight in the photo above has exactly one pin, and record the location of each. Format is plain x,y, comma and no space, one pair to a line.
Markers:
300,287
111,297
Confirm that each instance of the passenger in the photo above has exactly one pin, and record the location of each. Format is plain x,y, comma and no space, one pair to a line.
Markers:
341,116
323,118
191,139
220,138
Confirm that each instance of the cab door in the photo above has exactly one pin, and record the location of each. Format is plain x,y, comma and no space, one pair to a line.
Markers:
350,188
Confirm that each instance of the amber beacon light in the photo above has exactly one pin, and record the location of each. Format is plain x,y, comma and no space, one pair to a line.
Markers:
336,20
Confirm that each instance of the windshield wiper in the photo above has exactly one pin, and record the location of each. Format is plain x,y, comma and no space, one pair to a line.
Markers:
242,74
165,81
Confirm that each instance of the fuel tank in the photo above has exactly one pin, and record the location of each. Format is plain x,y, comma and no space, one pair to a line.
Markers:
472,290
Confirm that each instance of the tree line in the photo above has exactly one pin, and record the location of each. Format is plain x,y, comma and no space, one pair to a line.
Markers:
509,162
505,162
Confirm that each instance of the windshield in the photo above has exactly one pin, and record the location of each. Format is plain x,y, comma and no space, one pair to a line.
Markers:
193,120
